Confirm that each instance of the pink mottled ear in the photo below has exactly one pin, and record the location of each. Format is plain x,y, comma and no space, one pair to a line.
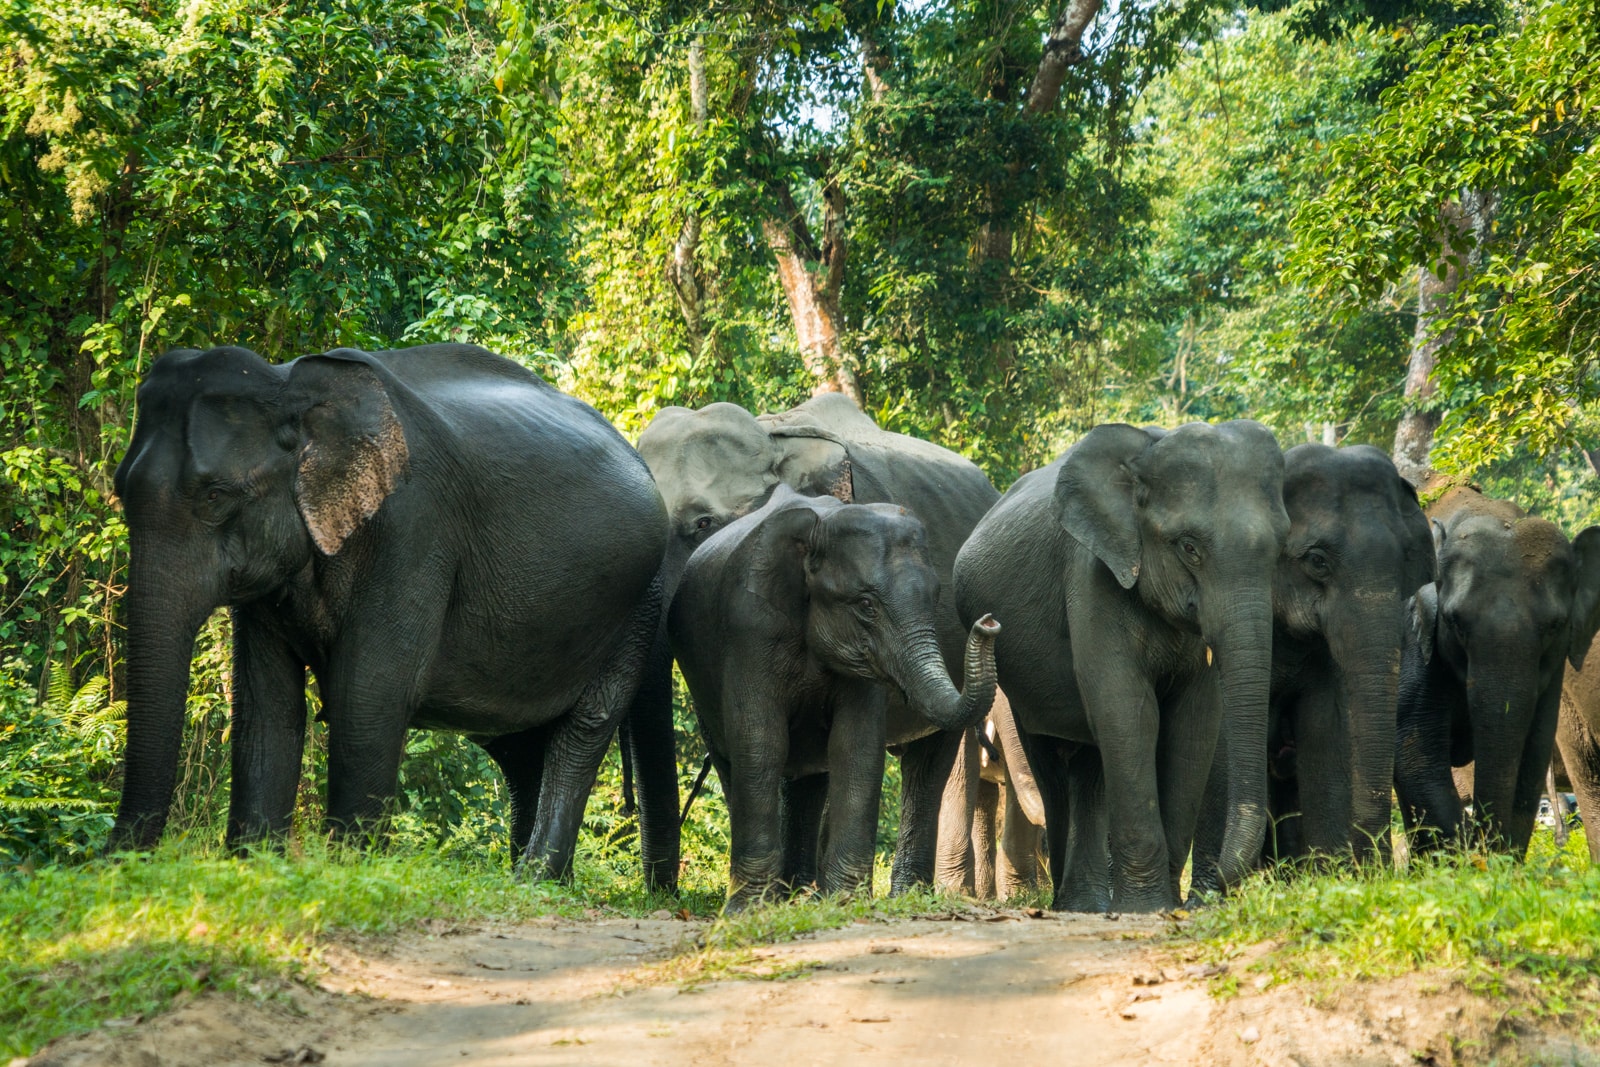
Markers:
355,452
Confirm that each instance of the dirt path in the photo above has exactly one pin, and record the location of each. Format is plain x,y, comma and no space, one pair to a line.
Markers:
988,987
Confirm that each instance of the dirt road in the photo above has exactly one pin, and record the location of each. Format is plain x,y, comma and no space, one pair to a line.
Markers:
982,987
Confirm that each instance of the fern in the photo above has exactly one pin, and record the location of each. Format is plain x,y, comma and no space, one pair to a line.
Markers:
17,804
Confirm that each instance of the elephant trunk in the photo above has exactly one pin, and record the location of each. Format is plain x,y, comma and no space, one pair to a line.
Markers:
1368,656
1502,709
1243,655
166,607
926,681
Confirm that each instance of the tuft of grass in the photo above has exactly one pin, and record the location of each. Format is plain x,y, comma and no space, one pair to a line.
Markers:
1527,931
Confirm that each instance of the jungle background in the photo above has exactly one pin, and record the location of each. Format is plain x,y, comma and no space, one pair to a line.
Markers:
993,223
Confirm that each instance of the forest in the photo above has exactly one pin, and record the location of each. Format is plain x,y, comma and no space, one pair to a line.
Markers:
992,225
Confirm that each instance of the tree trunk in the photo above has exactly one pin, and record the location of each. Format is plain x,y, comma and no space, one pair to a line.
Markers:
1062,49
812,277
1413,437
682,271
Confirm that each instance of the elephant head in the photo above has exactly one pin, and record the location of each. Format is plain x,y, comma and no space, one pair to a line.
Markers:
1193,522
718,463
1358,548
239,475
1514,602
861,577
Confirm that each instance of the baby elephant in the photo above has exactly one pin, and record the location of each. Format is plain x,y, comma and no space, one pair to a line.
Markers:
789,623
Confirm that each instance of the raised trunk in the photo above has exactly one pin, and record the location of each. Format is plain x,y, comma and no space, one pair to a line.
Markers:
927,684
162,623
1243,655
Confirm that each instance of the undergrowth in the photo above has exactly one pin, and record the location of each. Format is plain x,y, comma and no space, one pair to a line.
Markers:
1527,932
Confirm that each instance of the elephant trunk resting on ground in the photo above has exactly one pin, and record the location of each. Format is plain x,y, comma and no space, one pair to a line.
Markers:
444,539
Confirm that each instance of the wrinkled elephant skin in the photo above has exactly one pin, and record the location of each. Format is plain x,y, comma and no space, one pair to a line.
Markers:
442,538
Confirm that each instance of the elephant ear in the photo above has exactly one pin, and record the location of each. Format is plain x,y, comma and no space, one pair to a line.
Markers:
1585,617
814,466
1425,619
782,555
355,452
1096,496
1421,564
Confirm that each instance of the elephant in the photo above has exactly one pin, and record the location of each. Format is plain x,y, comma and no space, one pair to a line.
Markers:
991,819
443,538
719,463
1135,577
1359,546
1481,678
790,624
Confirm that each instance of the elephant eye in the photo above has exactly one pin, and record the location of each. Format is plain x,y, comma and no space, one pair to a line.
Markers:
1317,563
703,523
865,605
212,496
1190,549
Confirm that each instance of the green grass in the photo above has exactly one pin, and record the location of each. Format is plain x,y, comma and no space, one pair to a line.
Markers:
1528,932
83,944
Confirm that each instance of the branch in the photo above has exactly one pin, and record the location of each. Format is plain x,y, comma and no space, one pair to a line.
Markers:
1062,49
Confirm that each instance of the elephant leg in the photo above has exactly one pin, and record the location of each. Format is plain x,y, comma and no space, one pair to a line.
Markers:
1580,752
1085,882
984,836
1189,726
1126,721
520,757
855,787
651,749
1049,760
924,769
957,807
268,731
578,742
1017,859
1532,770
1323,773
1211,825
803,802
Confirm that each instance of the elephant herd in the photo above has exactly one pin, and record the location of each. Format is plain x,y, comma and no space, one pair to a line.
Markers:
1167,647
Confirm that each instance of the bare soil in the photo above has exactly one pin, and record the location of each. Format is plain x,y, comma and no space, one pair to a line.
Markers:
980,986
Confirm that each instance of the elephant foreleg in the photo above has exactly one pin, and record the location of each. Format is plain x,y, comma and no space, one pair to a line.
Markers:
924,769
953,871
855,785
1423,782
803,802
984,836
651,749
1017,862
1084,883
269,729
520,757
578,742
1580,752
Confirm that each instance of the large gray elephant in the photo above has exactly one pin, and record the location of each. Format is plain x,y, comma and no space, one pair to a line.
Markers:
1135,577
1482,675
790,625
444,539
719,463
1359,546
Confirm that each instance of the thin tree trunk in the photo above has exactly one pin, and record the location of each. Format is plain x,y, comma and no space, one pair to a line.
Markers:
682,271
812,276
1413,437
1062,49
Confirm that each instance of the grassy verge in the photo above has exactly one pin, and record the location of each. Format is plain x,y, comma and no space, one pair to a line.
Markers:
84,944
1525,932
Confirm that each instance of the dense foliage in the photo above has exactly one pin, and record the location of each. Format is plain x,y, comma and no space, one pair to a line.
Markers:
608,193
